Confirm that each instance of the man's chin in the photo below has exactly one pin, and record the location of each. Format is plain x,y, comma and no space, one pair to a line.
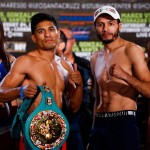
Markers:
107,41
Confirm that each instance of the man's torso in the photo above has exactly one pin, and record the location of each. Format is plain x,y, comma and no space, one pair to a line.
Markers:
115,94
53,75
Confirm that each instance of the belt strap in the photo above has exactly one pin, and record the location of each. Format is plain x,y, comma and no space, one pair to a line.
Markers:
20,118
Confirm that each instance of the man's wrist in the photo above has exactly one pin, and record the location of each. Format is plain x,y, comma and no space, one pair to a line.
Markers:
79,85
21,93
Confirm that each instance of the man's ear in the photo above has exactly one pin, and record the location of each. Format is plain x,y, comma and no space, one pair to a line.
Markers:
33,38
120,26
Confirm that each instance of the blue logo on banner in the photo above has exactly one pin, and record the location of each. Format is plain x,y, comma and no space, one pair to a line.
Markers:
81,33
79,18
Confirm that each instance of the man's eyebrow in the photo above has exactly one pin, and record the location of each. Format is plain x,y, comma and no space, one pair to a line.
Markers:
51,27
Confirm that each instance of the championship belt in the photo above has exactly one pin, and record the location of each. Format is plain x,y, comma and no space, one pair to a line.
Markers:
46,127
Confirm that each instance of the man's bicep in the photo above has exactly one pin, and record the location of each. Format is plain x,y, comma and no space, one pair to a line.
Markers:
16,74
139,63
141,70
12,80
143,73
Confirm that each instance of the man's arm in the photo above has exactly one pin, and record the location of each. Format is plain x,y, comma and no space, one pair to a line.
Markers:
141,80
10,87
141,86
8,94
75,90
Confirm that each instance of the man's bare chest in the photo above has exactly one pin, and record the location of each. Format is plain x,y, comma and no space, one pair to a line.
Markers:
104,62
50,75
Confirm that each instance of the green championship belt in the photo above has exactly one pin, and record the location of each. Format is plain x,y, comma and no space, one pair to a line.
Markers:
46,127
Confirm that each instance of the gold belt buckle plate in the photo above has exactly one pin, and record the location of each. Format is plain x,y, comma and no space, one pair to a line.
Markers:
47,129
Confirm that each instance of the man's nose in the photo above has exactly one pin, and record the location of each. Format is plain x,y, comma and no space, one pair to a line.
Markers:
47,33
105,28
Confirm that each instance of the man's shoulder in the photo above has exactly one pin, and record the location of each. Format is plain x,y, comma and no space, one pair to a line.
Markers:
26,56
26,59
129,44
122,43
131,47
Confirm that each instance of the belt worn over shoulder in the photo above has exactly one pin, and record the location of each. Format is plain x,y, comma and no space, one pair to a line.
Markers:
116,114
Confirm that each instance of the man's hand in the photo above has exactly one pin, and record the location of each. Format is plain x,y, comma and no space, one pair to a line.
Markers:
29,91
116,71
75,77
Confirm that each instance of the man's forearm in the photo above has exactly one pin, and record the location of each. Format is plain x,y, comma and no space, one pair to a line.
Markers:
141,86
8,94
76,99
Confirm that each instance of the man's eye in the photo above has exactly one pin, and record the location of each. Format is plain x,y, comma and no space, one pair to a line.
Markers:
111,24
40,31
51,29
99,24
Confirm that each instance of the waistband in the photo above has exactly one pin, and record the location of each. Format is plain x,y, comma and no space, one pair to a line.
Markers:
116,114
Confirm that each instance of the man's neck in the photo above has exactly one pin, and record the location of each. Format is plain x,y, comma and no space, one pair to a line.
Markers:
46,55
113,45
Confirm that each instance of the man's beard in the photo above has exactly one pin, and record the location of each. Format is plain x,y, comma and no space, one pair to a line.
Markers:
109,40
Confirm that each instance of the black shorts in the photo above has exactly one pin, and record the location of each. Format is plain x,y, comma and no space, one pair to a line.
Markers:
115,131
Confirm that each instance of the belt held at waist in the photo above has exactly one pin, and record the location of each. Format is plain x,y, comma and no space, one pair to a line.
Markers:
115,114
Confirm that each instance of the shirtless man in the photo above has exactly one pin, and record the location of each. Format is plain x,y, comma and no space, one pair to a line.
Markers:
120,73
42,67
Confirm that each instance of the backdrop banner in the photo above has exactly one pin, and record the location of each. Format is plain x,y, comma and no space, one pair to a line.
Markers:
76,15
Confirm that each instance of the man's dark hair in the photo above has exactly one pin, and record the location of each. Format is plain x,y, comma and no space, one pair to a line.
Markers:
63,39
3,54
39,17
